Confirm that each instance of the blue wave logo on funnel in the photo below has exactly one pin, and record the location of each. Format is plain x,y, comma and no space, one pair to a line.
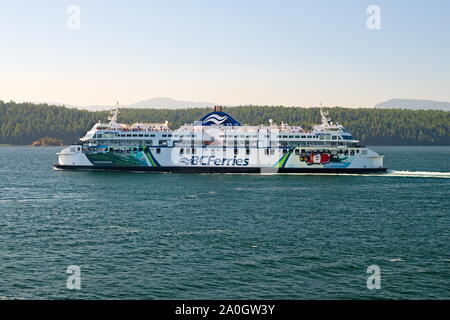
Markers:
218,118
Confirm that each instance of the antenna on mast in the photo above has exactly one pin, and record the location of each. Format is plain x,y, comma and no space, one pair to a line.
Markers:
113,117
325,116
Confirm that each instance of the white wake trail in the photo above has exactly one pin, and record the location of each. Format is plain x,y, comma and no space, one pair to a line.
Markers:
389,173
419,174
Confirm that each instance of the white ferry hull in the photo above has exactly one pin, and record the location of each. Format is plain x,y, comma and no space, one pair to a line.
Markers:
215,160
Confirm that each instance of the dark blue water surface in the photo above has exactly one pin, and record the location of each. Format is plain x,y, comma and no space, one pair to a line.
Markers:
170,236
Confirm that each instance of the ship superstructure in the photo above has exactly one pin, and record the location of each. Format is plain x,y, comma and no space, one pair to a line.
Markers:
219,143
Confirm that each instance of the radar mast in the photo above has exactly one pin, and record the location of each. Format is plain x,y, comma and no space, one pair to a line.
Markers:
113,116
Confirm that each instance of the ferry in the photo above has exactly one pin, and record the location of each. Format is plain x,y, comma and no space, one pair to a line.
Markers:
218,143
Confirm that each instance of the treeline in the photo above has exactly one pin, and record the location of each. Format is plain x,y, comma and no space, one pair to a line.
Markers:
23,123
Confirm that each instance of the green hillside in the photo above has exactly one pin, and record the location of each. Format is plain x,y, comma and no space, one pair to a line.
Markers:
23,123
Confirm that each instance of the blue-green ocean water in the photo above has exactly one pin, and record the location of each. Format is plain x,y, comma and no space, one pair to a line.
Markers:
170,236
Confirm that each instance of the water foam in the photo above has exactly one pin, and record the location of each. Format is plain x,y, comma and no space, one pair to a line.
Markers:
423,174
389,173
396,260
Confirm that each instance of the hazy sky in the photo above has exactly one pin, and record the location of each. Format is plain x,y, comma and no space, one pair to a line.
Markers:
229,52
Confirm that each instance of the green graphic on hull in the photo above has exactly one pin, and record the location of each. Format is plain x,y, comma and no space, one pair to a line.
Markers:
282,162
152,159
139,158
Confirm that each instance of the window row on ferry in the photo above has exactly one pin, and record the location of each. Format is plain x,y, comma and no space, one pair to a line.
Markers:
231,143
179,136
235,151
138,135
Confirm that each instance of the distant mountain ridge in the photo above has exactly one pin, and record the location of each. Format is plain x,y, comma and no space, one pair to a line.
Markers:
169,103
153,103
414,104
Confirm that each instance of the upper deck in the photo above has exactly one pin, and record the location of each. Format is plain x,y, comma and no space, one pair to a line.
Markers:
218,128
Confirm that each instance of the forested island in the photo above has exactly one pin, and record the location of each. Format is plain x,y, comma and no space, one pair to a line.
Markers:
47,141
24,123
